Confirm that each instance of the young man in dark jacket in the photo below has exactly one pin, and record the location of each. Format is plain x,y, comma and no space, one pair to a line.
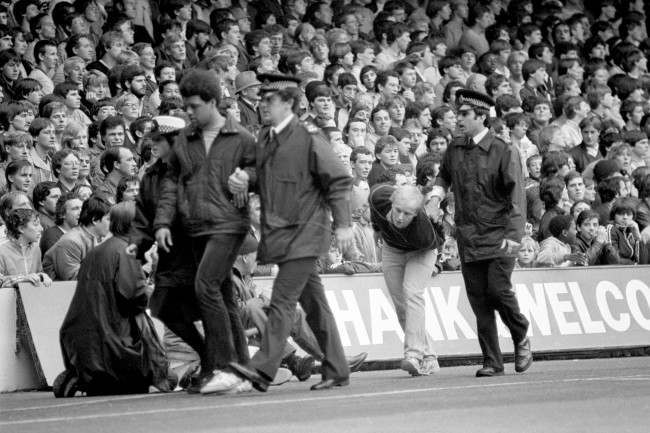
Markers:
486,177
299,178
196,186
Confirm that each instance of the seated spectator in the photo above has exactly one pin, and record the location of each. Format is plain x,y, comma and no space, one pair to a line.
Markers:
643,208
67,210
555,250
107,310
117,162
387,156
577,208
65,166
640,153
361,160
592,241
18,176
20,257
365,242
45,196
527,254
553,193
518,124
575,186
589,150
449,260
623,232
128,189
62,261
333,263
608,190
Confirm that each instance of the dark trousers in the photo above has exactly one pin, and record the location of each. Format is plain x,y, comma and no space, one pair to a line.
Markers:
298,281
225,340
489,289
254,314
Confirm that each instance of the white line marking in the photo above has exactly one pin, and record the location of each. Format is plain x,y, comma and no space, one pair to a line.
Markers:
315,399
83,401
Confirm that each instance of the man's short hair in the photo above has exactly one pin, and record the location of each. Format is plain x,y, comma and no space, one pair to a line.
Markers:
93,209
383,142
531,66
42,191
360,150
109,123
40,46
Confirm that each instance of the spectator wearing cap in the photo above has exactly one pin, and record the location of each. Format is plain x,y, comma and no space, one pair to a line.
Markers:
487,248
247,89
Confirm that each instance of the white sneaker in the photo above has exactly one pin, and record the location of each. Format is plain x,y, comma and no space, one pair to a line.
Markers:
429,365
244,386
282,376
221,382
411,365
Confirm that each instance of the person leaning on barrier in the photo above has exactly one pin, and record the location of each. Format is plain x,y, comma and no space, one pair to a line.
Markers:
62,261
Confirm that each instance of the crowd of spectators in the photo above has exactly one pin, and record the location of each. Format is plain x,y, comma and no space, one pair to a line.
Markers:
83,81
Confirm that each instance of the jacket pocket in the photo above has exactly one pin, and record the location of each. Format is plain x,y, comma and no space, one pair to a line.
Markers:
286,209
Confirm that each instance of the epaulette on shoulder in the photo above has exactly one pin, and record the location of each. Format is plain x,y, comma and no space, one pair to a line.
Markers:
311,128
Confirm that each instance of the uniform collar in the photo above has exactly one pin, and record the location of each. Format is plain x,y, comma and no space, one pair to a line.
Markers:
478,137
282,125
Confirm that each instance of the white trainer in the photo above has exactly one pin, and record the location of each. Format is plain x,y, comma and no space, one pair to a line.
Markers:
221,382
411,365
429,365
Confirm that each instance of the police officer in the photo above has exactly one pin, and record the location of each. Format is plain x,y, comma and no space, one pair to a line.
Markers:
300,180
486,176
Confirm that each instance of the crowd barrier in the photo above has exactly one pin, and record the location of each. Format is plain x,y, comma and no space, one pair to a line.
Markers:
569,309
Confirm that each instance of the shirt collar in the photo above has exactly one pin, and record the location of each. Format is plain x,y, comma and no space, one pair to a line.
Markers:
280,127
480,136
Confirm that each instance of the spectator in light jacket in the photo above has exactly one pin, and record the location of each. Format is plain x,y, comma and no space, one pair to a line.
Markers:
62,261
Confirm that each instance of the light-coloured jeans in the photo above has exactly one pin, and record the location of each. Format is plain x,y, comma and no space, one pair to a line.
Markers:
406,274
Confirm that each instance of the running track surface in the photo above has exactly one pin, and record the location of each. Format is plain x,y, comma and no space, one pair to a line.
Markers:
598,395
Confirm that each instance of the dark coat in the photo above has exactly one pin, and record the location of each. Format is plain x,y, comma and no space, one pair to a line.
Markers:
490,202
174,277
250,117
196,184
597,253
107,338
300,181
581,158
643,213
